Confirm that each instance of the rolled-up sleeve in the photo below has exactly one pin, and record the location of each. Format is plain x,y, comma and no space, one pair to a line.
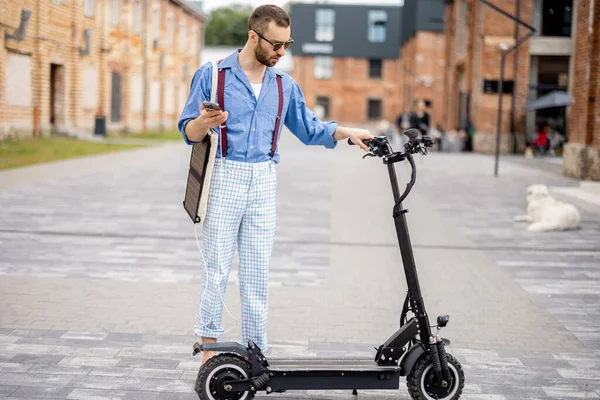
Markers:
199,92
305,125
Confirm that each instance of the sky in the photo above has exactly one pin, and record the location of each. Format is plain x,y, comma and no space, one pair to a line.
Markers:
210,4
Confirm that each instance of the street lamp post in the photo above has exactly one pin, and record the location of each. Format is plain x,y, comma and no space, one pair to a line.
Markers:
505,52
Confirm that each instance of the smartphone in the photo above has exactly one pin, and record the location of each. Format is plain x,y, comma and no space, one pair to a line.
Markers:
211,106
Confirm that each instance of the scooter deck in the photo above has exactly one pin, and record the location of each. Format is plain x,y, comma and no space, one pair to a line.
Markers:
327,364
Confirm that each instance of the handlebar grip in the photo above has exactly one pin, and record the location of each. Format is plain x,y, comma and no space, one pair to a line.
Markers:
366,142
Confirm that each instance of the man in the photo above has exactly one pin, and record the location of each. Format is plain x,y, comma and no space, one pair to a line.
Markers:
241,206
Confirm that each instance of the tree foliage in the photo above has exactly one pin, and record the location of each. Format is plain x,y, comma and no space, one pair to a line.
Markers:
228,26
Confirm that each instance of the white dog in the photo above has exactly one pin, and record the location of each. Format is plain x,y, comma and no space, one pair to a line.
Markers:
548,214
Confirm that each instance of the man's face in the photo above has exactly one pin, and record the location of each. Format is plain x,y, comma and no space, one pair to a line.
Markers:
263,50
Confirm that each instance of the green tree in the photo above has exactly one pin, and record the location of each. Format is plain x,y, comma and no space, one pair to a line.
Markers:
228,26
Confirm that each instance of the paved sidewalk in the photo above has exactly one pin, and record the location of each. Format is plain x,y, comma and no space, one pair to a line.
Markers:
100,276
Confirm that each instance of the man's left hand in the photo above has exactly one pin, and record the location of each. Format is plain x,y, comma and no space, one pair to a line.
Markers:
354,134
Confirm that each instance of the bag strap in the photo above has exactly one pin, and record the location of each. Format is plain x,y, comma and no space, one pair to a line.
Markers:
278,119
213,91
221,100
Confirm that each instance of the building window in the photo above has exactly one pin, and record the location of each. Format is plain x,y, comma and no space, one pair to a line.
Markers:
88,8
375,68
170,30
325,22
193,40
155,23
115,13
556,17
137,18
322,107
461,29
58,2
374,109
182,35
323,67
377,26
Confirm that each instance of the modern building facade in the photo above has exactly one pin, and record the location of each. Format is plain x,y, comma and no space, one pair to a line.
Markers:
66,64
347,60
365,63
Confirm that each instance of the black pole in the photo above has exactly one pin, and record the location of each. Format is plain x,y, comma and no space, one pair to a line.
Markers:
532,30
499,117
515,78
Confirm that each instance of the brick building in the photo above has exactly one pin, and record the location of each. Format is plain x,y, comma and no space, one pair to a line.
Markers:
361,64
476,34
582,153
347,60
423,56
64,63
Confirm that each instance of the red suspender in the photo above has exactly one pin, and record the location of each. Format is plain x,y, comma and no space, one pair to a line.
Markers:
278,120
221,100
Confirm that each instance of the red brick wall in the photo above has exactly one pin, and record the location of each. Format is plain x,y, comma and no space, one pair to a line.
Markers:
350,86
582,153
423,60
485,29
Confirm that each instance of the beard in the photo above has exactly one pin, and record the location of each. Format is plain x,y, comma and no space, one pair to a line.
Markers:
263,56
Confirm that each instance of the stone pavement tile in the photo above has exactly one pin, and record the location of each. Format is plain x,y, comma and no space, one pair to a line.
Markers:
28,392
158,373
107,382
86,352
84,335
38,333
37,380
31,349
89,361
6,390
47,359
569,392
168,385
14,367
101,394
510,391
59,370
147,363
110,371
124,337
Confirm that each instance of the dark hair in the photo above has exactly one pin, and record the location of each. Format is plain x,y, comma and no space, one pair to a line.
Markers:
261,16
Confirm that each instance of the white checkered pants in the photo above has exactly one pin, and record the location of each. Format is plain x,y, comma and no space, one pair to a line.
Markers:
241,210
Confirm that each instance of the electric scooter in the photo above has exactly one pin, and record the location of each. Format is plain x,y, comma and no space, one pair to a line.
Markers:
238,372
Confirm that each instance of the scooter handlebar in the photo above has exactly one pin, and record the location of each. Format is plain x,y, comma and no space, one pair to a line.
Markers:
379,146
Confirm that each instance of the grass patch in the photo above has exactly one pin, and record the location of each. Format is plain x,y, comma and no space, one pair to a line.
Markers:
19,153
150,135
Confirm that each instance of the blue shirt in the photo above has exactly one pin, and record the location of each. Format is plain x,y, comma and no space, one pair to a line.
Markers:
251,122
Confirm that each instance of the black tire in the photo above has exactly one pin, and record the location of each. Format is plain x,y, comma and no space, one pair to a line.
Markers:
421,380
222,367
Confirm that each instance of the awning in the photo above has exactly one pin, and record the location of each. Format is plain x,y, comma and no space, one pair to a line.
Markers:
553,99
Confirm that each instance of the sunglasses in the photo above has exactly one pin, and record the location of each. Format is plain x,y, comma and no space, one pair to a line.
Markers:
277,46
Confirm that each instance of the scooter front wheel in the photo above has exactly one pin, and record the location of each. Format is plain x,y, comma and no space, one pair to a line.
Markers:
423,384
218,370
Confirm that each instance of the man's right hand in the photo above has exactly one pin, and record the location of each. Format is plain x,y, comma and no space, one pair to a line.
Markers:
210,118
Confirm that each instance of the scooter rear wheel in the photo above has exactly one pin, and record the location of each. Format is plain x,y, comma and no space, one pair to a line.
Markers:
218,370
422,383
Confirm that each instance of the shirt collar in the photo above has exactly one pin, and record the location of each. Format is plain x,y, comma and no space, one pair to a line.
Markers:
231,61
